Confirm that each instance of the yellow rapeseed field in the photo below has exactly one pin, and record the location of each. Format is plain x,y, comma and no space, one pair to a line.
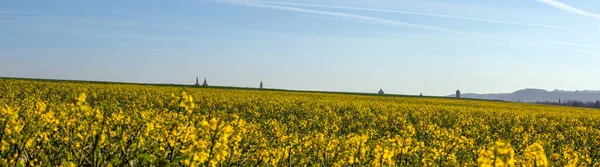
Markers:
47,123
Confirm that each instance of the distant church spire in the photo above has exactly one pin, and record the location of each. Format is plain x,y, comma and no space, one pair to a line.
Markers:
197,82
205,84
261,84
457,93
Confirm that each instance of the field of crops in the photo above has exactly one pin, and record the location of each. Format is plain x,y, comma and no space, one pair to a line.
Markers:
46,123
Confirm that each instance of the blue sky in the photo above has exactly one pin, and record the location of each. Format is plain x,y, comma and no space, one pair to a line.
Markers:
401,46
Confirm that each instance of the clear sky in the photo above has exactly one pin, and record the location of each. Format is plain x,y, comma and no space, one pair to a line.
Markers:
401,46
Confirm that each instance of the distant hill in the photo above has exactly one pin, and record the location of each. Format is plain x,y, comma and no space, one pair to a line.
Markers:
534,95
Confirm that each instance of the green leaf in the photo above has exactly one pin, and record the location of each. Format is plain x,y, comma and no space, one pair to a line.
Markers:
143,156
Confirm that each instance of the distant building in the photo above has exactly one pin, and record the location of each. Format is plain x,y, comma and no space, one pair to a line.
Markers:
457,93
205,84
380,91
197,82
261,85
421,94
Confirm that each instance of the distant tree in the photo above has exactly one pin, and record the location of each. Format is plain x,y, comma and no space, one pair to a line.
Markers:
576,103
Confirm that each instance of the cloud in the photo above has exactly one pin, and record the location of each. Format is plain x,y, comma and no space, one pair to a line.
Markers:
568,8
420,14
340,15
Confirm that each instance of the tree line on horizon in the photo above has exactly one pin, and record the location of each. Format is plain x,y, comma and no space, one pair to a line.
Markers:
573,103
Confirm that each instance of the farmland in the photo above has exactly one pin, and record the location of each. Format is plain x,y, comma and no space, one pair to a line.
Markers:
45,123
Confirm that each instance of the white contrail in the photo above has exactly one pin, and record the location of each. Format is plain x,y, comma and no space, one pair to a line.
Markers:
418,13
341,15
570,44
568,8
391,22
15,12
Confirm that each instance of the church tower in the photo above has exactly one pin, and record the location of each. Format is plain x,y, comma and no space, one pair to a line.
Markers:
197,82
457,93
380,91
204,84
261,85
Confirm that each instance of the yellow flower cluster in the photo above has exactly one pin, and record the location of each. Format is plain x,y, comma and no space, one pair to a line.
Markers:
535,156
50,123
501,154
